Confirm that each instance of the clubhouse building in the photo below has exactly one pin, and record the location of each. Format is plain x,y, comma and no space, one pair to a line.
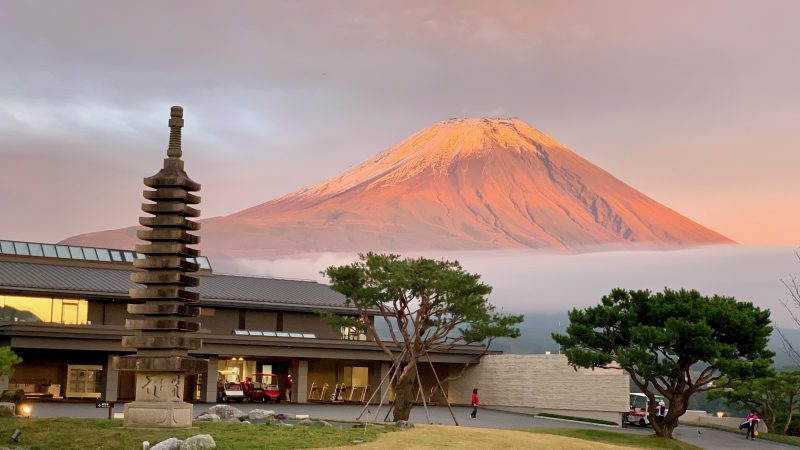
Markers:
63,310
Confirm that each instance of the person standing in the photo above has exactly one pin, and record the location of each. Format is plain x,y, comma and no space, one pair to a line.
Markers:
661,410
288,387
475,403
752,423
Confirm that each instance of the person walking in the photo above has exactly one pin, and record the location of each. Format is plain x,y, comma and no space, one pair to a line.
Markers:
288,387
752,423
475,403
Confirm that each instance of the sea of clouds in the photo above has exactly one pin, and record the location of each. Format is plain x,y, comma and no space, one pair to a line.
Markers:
531,282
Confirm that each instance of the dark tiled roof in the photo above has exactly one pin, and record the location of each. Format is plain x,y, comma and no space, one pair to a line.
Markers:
233,289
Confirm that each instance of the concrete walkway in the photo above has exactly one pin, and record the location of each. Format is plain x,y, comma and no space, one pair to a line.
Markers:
706,438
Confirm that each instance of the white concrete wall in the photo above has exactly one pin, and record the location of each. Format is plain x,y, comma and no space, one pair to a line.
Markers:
546,383
704,417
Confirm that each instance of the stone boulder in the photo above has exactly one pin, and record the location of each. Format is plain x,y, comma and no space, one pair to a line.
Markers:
272,421
206,417
314,423
169,444
7,409
404,425
260,414
226,412
281,416
199,442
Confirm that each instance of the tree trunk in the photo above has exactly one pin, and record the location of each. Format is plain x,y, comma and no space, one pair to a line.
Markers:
404,393
677,406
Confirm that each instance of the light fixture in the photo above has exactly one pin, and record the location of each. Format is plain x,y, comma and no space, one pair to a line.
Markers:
720,413
16,435
25,410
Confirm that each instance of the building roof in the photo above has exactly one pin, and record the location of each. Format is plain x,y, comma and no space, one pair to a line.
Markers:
232,290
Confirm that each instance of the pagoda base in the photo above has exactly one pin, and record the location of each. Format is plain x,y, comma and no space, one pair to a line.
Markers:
148,414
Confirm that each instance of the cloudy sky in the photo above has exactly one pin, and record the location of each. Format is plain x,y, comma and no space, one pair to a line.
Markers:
694,103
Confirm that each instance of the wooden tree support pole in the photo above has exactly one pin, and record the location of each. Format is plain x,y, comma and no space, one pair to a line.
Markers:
395,369
424,403
441,388
383,380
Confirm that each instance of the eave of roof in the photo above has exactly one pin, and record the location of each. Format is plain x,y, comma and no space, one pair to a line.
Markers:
217,290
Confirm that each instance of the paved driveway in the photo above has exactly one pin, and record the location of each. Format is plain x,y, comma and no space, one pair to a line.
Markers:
702,437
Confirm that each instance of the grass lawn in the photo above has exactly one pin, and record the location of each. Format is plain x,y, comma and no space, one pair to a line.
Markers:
67,434
610,437
432,437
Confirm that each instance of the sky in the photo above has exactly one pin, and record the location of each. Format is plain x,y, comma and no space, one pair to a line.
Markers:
694,103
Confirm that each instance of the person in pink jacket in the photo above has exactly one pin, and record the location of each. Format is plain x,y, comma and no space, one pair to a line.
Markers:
475,403
752,423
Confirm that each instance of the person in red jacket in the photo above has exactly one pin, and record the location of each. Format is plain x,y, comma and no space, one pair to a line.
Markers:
475,403
752,423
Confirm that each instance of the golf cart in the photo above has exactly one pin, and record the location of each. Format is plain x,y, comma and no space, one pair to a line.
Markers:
229,387
638,412
264,389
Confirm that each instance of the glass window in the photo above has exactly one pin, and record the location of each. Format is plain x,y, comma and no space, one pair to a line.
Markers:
63,251
90,254
103,254
7,247
240,332
21,248
254,333
49,250
70,311
27,309
203,262
352,334
116,255
296,335
269,333
309,335
76,252
281,334
140,256
36,249
128,256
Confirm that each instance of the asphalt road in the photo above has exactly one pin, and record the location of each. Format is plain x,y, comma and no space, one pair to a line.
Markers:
702,437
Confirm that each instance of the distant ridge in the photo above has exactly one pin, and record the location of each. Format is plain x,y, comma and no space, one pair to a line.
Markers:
461,184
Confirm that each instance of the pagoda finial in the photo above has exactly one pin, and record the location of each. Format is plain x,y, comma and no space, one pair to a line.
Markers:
175,125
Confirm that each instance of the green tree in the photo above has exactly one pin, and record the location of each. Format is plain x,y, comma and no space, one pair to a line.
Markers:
672,343
772,397
427,306
8,359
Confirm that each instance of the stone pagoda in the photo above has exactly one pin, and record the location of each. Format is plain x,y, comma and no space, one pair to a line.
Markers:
164,310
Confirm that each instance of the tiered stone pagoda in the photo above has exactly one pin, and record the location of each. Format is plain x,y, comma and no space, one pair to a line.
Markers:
165,329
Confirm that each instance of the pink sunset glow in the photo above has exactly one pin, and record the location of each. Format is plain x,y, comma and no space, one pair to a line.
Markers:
692,103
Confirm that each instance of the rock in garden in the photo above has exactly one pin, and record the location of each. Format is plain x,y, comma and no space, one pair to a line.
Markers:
199,442
272,421
7,409
259,414
226,412
206,417
404,424
169,444
281,416
314,423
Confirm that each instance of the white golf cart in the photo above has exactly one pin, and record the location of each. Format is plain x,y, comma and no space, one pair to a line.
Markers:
229,386
638,412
